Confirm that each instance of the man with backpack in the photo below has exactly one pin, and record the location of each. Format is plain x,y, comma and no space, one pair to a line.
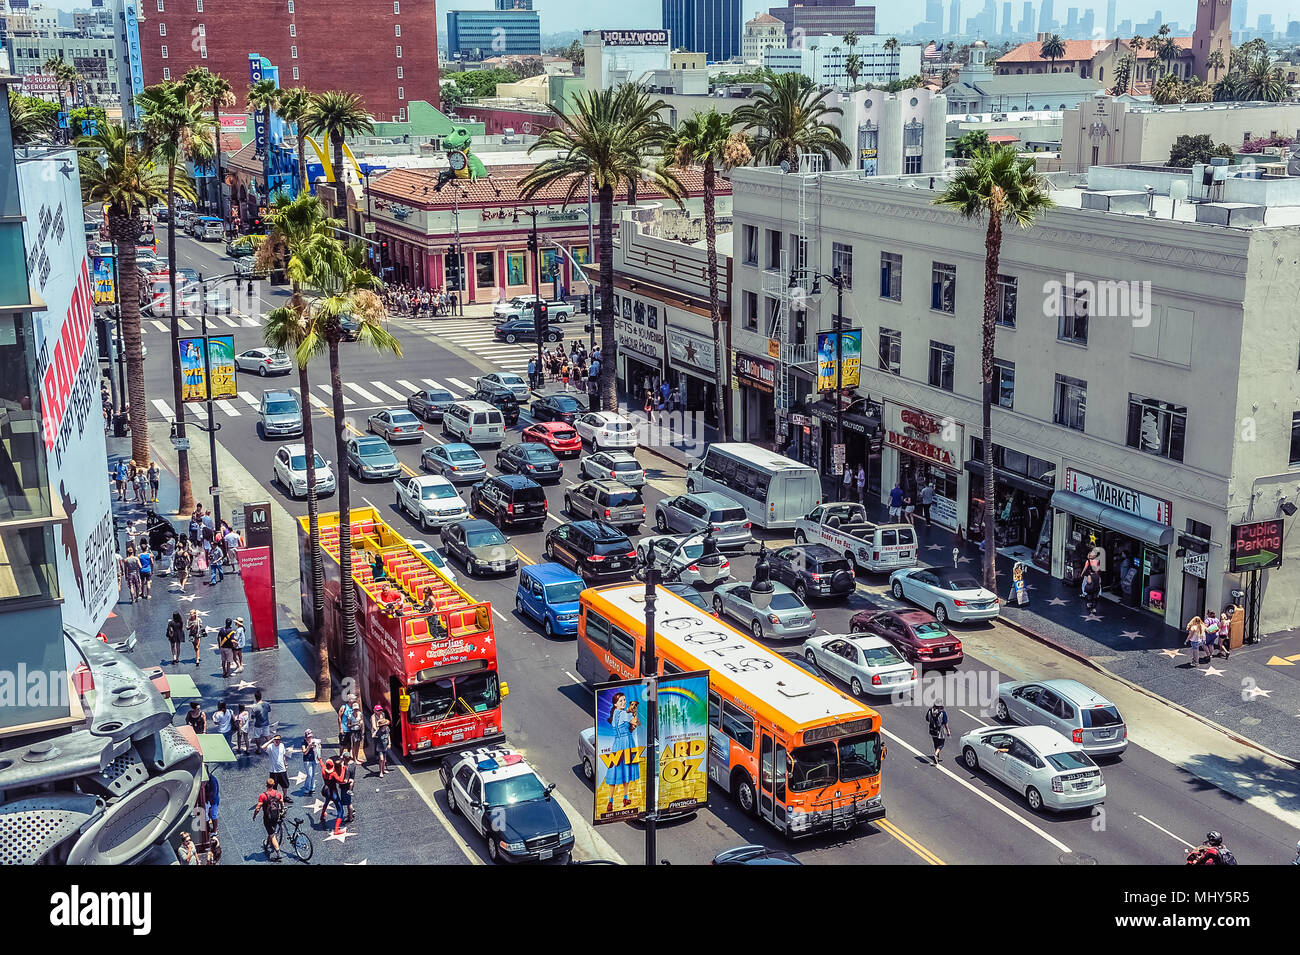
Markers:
226,644
271,805
936,719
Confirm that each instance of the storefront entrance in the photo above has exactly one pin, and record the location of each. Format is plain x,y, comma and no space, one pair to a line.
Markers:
1022,513
757,380
1134,573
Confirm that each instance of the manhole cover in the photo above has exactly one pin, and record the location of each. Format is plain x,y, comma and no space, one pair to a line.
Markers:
1076,858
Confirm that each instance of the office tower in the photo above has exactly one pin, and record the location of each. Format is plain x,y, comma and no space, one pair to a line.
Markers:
711,27
1046,24
1026,24
1006,18
954,18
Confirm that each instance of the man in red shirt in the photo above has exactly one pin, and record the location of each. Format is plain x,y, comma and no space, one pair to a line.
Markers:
271,805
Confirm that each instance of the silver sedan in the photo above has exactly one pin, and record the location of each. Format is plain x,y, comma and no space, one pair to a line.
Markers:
787,617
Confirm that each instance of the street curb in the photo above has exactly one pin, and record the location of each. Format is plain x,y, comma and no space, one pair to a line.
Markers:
1138,688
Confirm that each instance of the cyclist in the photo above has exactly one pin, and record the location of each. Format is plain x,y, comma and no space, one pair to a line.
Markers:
271,805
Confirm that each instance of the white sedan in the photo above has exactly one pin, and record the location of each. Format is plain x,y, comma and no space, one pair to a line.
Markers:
507,382
431,500
866,664
264,361
679,555
614,466
606,429
947,592
1045,767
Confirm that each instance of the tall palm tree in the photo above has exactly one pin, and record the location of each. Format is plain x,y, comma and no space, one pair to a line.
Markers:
851,40
212,90
293,107
128,182
853,67
611,137
1136,46
891,44
1053,48
1167,49
301,233
263,96
175,130
27,124
64,73
788,120
351,293
336,115
1000,187
1215,62
710,139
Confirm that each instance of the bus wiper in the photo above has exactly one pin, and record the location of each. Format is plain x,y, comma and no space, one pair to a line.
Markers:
469,709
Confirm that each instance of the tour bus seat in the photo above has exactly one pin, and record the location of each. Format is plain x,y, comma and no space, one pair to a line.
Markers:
419,628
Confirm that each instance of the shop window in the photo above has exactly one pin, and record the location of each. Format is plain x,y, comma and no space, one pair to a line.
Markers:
943,287
750,310
1004,373
1072,315
842,262
749,244
943,358
516,268
1006,304
1295,440
1156,427
891,351
485,269
891,276
773,248
1071,402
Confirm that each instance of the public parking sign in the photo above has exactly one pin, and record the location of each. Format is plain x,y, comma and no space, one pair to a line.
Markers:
1256,546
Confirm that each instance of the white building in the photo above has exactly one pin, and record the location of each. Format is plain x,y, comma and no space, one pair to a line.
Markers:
764,32
1147,386
894,133
825,60
611,57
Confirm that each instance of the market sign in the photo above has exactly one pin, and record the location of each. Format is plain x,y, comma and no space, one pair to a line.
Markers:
638,338
756,373
1117,495
1256,546
687,348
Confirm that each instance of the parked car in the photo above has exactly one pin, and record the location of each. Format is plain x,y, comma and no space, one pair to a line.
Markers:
916,634
264,361
430,499
290,469
606,429
549,594
606,501
689,513
429,553
952,593
562,440
563,408
868,665
211,229
679,554
395,424
524,330
845,529
480,547
532,460
754,855
1049,770
509,805
503,401
429,403
1091,721
598,552
372,458
618,466
787,617
812,570
278,414
474,422
456,462
510,500
505,381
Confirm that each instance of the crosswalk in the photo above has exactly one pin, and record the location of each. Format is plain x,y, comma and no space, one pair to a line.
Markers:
193,323
476,337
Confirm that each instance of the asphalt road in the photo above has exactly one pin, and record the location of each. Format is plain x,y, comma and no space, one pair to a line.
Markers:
936,815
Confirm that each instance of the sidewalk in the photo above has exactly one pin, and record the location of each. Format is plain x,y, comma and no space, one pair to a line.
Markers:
393,824
1245,696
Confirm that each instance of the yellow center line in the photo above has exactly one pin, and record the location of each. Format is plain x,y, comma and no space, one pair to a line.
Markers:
908,841
524,557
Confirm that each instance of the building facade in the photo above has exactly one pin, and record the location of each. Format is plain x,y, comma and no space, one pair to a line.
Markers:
979,90
513,31
611,57
894,133
711,27
92,57
764,32
825,60
1135,411
390,58
803,18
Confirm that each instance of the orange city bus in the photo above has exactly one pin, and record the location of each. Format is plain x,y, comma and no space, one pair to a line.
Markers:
789,747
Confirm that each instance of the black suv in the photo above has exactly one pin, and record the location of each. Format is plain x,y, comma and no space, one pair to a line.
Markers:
812,570
597,552
524,330
503,401
509,499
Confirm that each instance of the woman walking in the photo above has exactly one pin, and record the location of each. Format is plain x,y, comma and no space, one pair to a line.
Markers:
194,628
175,635
1196,640
1092,589
181,562
379,731
134,585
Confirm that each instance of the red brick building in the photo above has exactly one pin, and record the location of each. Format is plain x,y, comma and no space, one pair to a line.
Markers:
384,50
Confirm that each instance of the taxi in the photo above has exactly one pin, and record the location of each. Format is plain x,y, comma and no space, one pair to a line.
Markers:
508,804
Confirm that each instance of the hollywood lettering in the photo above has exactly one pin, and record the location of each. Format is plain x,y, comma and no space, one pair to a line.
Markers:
68,377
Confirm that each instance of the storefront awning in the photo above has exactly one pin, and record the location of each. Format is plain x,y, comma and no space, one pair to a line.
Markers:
1018,481
1112,518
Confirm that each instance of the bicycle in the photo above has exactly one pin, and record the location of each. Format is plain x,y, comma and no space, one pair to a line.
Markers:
297,841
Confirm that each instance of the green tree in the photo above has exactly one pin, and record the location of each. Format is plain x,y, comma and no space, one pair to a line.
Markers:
1263,82
1166,49
1167,90
853,67
213,91
117,172
998,187
970,143
575,53
478,84
452,97
336,115
28,122
891,44
1053,48
1189,150
612,137
787,120
293,107
174,130
850,40
1215,62
710,140
1123,75
64,73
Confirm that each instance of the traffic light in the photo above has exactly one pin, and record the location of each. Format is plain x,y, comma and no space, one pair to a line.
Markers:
383,251
541,319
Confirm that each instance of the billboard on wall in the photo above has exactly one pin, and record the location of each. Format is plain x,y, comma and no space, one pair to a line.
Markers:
68,372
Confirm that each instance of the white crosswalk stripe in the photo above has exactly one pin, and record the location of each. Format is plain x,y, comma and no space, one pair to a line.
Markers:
185,325
251,399
362,392
379,385
433,384
321,405
228,408
410,388
160,326
330,394
460,384
248,322
232,324
164,408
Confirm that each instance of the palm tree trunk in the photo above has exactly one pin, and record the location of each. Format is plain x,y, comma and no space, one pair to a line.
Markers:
336,141
186,504
125,231
323,685
347,592
221,181
302,159
992,250
715,304
608,341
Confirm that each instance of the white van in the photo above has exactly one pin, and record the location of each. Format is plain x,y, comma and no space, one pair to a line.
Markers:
776,491
474,422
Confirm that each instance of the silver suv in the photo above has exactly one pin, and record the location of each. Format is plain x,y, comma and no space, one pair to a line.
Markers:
691,513
1077,712
279,414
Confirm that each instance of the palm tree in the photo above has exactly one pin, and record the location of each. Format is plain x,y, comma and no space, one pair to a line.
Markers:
1167,49
1136,46
1215,62
891,44
350,289
263,96
611,137
851,40
175,130
64,73
211,89
1167,90
299,231
789,120
27,124
293,107
853,67
118,173
1001,187
1196,90
1263,82
711,140
1053,48
336,115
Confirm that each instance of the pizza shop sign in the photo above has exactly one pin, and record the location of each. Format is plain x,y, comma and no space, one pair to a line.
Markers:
923,435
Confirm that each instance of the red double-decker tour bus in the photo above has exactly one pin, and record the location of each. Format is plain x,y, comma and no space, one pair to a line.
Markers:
435,672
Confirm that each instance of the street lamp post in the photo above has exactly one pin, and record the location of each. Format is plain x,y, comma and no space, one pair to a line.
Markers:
213,426
836,278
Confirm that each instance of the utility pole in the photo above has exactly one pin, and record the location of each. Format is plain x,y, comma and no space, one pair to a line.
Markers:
538,311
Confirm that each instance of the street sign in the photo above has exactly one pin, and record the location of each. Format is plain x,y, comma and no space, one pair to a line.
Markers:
1255,546
837,459
181,444
214,490
800,419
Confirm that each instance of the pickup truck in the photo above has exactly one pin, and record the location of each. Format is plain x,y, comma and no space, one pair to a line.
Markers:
872,547
521,306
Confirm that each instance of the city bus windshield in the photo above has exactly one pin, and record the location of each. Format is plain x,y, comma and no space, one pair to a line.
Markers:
822,764
450,696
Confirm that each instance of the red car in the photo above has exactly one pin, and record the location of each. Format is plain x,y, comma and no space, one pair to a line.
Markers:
914,633
561,438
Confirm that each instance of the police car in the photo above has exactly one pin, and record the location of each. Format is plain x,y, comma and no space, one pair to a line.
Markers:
508,804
